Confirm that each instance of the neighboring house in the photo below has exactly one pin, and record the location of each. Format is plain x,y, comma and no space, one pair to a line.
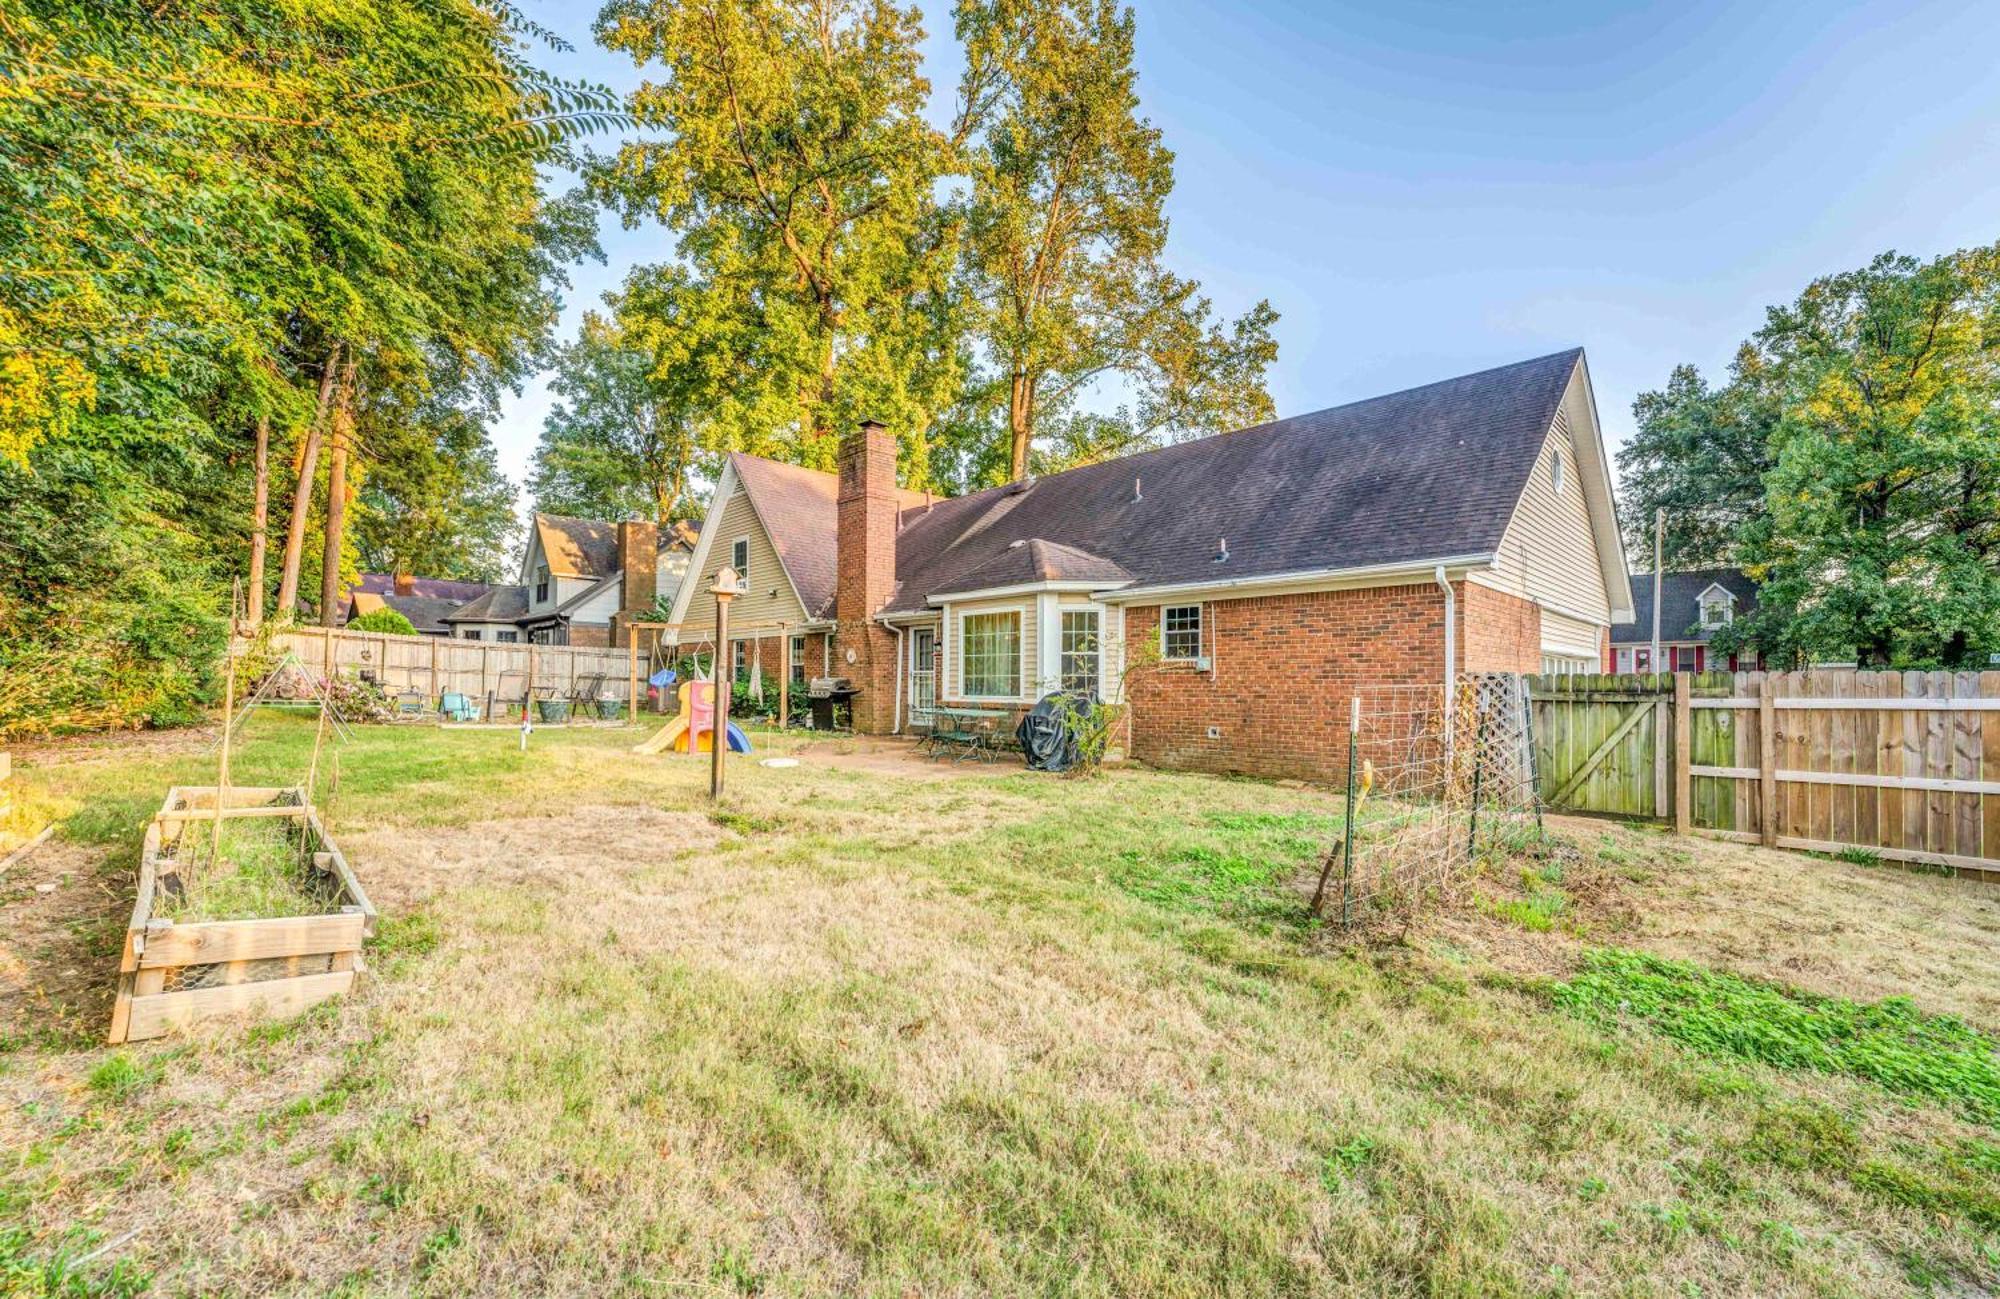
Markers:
1272,572
1693,607
574,577
426,601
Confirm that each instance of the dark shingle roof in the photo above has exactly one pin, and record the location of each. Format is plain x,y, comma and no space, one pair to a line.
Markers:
1427,473
426,613
1680,604
578,547
1036,560
504,603
438,588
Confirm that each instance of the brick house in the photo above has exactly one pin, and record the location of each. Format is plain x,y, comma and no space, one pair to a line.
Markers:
1693,607
1461,526
425,601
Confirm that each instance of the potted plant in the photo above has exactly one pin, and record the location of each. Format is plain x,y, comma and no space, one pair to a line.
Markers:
553,710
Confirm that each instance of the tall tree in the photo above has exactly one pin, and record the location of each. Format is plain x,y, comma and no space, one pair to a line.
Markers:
797,175
626,432
1880,533
1065,233
1700,453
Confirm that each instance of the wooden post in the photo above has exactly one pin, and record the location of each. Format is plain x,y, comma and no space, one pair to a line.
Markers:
528,691
1683,748
632,674
1660,758
718,725
784,675
1767,763
228,725
436,694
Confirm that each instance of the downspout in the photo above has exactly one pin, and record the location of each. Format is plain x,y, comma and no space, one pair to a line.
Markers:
1450,637
896,727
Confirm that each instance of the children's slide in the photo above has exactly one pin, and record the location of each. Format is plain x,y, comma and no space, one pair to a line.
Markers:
696,719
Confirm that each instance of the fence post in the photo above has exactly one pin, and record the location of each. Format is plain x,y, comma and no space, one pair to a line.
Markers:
1683,746
784,675
435,693
632,675
1767,764
1347,841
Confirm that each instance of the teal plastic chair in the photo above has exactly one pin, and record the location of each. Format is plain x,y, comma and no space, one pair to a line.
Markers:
458,708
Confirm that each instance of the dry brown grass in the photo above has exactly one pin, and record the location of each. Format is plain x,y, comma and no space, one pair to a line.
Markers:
863,1034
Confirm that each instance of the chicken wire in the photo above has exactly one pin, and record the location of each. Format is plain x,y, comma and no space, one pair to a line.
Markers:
1436,778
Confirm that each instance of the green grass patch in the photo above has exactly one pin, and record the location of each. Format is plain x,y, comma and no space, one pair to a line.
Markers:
1889,1042
259,873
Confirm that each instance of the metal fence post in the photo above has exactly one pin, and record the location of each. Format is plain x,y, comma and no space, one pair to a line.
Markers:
1347,842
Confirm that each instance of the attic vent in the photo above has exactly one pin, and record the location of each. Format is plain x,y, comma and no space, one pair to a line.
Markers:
1016,487
1017,543
1221,550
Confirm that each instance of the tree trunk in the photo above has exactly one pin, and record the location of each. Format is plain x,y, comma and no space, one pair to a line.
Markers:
260,514
295,535
336,500
1020,424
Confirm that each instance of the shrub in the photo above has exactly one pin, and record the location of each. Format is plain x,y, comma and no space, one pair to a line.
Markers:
382,620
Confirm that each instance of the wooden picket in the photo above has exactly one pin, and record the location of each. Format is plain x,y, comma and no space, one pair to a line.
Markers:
1905,766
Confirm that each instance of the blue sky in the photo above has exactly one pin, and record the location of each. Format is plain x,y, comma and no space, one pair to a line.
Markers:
1424,188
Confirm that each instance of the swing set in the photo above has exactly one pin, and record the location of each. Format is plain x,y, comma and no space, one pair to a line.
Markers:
659,661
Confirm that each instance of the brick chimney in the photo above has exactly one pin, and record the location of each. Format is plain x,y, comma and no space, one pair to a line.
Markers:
405,584
865,541
638,565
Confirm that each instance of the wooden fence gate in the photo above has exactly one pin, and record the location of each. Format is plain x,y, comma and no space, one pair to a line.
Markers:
1901,765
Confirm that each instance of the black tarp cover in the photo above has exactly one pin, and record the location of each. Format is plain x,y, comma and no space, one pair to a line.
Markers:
1045,738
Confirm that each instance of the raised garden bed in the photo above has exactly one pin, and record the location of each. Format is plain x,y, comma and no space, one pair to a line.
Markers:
274,922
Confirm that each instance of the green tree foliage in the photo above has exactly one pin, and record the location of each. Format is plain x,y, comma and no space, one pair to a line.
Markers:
796,173
1064,237
1700,453
629,428
1851,465
206,207
383,620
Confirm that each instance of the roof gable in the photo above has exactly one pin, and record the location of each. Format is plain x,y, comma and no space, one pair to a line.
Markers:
577,547
1680,604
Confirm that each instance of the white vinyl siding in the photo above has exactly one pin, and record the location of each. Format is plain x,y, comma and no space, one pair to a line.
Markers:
1548,552
1572,637
767,600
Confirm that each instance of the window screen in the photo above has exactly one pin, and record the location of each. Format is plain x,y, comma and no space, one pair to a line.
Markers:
739,557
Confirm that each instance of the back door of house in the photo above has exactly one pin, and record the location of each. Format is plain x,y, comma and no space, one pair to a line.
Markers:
923,675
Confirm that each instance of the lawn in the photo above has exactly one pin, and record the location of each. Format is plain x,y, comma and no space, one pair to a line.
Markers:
872,1029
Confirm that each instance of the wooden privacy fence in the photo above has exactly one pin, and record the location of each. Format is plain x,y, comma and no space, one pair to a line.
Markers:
1903,765
438,666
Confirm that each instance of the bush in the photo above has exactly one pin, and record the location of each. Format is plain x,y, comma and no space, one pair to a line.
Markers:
383,620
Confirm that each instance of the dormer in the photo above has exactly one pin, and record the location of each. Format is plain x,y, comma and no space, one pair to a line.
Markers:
1718,606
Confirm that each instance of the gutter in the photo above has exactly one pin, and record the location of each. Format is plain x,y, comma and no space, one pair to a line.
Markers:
1417,569
896,718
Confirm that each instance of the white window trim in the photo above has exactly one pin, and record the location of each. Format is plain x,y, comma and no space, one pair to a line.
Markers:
1020,612
1200,631
743,569
1556,470
1098,609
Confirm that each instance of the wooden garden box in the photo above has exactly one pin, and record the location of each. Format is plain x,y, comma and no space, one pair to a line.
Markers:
172,975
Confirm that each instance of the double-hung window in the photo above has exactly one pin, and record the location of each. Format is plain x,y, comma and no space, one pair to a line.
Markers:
1180,632
739,559
542,584
1079,650
798,660
989,655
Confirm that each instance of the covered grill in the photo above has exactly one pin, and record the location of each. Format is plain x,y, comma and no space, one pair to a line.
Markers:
826,694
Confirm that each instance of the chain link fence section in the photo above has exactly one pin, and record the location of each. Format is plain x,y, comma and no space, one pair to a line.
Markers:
1435,778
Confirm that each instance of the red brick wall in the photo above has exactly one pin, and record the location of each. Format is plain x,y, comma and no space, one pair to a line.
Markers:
1286,666
1497,632
865,543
